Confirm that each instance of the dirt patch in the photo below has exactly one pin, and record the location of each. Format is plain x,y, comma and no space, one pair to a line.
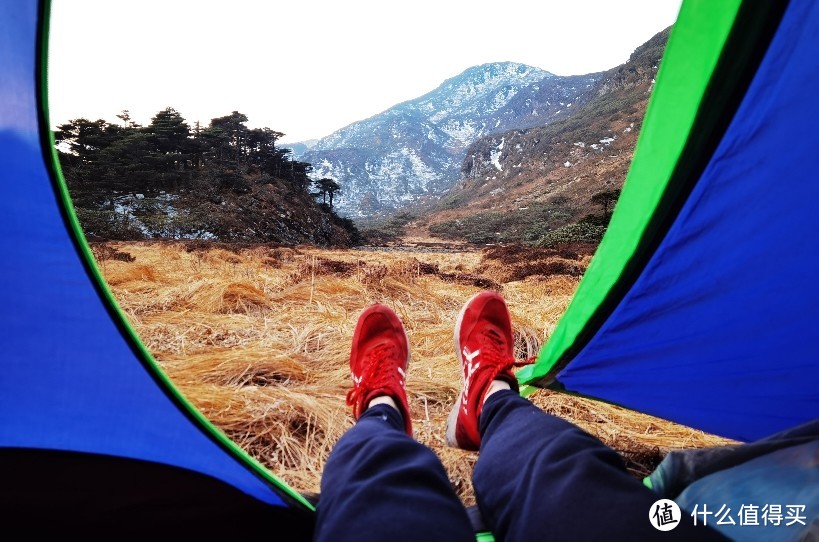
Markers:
507,263
107,251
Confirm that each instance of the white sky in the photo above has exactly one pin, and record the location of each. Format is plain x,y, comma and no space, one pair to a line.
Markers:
309,67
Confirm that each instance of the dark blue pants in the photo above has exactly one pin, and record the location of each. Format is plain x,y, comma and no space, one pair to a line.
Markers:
538,477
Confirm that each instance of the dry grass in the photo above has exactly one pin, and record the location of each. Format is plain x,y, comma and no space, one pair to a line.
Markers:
258,339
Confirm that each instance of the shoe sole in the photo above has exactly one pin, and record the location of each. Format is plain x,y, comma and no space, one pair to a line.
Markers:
452,420
409,349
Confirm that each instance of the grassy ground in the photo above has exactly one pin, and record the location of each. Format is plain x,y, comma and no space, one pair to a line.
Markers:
257,338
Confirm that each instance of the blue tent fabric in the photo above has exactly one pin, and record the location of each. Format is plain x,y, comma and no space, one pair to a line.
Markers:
70,379
719,332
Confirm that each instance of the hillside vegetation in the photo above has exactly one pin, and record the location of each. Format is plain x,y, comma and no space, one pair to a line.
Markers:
169,180
257,337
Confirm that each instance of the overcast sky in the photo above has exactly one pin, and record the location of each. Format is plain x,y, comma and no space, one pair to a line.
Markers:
309,67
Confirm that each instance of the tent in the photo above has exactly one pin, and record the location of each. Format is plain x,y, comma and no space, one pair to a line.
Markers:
700,303
699,306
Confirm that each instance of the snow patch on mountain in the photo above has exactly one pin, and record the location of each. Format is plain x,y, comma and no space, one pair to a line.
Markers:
495,155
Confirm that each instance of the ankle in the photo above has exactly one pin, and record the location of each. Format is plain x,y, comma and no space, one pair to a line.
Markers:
494,387
383,400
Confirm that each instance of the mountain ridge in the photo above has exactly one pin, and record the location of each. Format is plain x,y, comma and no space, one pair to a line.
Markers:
520,185
414,150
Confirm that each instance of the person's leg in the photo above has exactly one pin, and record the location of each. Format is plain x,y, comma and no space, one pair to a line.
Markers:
538,477
379,483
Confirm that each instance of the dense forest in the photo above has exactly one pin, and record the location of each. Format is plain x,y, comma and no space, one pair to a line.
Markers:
224,182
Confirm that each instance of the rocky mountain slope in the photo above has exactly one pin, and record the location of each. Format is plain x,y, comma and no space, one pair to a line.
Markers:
414,151
519,184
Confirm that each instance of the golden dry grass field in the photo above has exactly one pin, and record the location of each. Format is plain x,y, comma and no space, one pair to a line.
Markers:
257,338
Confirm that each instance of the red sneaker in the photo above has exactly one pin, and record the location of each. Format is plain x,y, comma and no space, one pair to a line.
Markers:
378,361
485,347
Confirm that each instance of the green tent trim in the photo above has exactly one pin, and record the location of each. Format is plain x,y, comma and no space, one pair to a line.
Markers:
708,63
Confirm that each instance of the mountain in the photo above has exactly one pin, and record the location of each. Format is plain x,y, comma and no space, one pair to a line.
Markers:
414,151
520,184
611,110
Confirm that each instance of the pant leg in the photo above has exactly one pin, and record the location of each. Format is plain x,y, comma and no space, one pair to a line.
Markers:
380,484
539,477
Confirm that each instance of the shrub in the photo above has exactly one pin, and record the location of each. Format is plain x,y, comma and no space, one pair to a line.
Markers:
526,225
581,232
